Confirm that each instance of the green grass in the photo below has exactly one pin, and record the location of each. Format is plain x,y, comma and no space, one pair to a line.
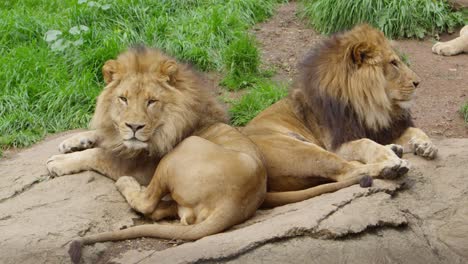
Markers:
51,86
261,95
464,111
396,18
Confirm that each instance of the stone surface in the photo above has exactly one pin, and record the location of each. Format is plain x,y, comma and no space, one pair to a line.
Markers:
423,218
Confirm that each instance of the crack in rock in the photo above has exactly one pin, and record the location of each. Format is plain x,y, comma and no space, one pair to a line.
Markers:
25,188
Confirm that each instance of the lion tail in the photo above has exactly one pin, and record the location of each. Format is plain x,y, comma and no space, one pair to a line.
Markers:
221,219
274,199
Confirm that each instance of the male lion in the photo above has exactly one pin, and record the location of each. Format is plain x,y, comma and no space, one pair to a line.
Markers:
454,46
338,124
156,114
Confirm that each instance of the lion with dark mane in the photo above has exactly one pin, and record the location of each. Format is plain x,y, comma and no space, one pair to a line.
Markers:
157,122
345,120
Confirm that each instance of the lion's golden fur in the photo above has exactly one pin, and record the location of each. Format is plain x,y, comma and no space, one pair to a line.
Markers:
187,105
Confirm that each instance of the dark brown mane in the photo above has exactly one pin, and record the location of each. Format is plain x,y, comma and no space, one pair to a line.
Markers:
334,113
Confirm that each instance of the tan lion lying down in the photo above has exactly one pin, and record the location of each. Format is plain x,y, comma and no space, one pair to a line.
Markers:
345,118
157,113
454,46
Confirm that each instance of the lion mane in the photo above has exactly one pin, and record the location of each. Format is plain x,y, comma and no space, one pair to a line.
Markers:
349,100
189,108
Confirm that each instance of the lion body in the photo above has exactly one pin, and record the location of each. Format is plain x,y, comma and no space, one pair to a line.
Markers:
156,121
343,119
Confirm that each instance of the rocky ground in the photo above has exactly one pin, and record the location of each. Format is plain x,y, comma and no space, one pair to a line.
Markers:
422,218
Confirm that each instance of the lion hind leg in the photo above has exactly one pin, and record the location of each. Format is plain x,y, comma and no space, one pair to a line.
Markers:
143,200
165,209
379,161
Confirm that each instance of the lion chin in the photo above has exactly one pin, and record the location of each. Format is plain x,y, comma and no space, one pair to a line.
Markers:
405,104
135,145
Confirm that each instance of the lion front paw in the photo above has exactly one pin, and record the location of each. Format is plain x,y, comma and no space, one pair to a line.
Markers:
425,149
447,48
395,169
63,164
78,142
397,149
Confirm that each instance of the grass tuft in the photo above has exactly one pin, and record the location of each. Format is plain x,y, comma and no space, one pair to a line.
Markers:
242,59
464,111
396,18
261,95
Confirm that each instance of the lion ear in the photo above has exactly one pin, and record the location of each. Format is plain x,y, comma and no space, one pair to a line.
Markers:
110,70
168,70
363,52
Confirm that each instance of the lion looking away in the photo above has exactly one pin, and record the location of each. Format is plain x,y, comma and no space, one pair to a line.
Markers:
345,120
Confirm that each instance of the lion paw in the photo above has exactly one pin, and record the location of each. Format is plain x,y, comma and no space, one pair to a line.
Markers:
425,149
78,142
395,170
133,193
63,164
447,48
397,149
127,185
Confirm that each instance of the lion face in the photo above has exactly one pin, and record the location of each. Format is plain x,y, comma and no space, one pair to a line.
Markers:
377,70
401,81
138,104
150,104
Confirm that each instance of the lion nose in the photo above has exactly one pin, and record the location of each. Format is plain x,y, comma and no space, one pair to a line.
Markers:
135,127
416,83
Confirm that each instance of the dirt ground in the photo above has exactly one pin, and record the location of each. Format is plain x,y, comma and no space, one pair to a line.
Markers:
285,39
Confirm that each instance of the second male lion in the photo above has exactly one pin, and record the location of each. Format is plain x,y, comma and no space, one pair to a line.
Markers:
342,120
156,114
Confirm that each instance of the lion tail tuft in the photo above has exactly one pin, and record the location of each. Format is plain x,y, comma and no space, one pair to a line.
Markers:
366,181
75,251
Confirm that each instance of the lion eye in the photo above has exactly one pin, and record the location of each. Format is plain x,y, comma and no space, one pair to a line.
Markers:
394,63
123,99
152,101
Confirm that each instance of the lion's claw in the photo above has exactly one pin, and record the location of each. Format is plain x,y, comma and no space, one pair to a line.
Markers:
397,149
